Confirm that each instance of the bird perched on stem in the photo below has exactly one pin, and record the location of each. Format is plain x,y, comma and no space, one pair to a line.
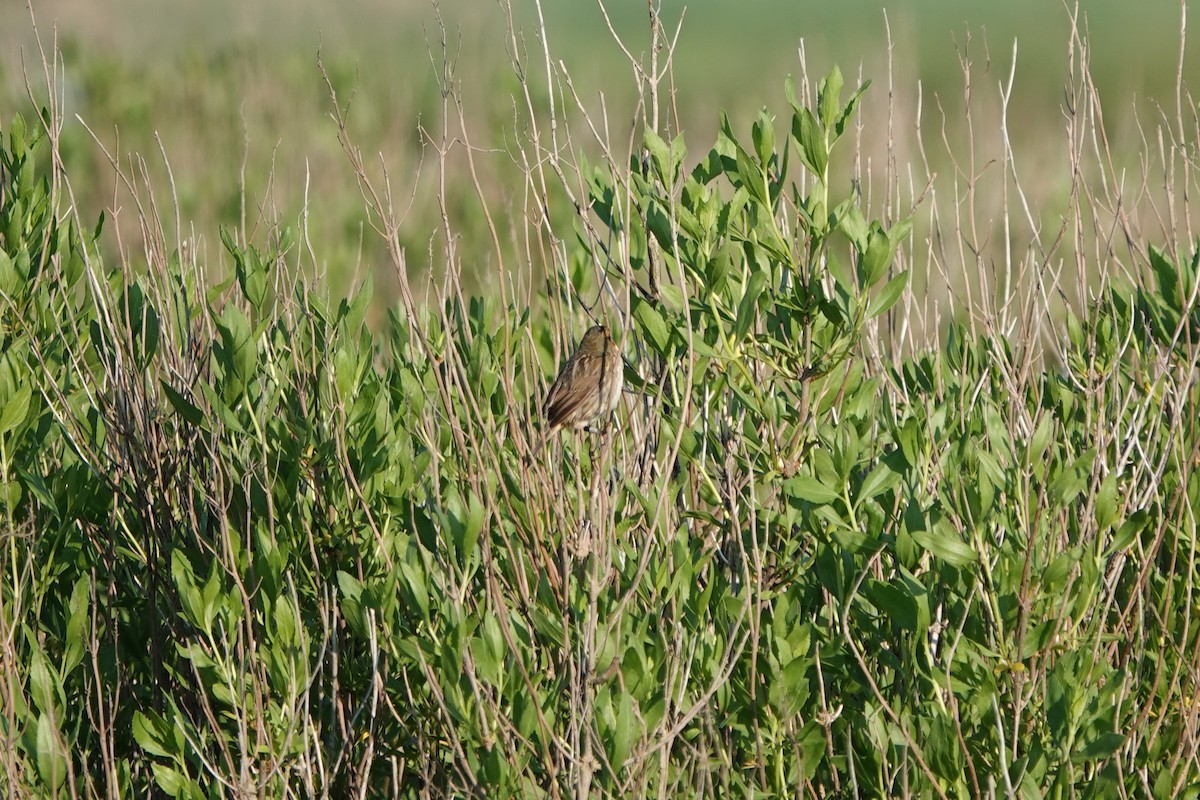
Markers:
587,387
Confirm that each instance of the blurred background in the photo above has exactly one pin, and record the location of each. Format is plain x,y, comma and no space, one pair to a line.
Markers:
230,96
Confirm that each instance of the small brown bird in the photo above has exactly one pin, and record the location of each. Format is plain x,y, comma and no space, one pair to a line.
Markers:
587,387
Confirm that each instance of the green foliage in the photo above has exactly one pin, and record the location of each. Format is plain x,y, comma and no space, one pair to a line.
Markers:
251,548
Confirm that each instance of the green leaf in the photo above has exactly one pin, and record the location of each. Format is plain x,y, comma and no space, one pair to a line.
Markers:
678,155
659,223
1129,530
16,136
810,143
1054,576
660,153
10,281
235,336
810,489
853,540
763,135
75,642
1073,480
888,295
171,781
716,271
1167,276
945,544
811,746
147,336
747,308
487,664
625,731
839,125
849,217
227,240
1101,747
895,601
1043,434
494,766
473,525
44,683
51,753
252,277
873,262
151,732
709,168
212,597
190,597
15,409
910,440
878,481
350,586
789,691
789,91
286,624
652,324
413,578
183,407
829,95
731,212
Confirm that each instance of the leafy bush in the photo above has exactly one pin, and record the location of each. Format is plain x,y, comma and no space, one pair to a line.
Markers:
253,547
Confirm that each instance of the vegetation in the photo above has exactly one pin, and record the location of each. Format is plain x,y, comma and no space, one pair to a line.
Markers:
834,545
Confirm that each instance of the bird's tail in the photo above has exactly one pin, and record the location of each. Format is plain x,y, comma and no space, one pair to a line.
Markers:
543,436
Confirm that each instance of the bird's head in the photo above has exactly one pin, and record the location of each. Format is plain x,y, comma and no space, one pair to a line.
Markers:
595,341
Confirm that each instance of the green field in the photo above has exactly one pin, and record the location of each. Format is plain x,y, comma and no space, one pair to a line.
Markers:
900,499
230,96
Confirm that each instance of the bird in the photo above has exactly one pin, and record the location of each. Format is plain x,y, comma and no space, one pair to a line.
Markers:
587,387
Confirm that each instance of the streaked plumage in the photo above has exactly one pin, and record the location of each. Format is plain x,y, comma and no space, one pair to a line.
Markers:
588,386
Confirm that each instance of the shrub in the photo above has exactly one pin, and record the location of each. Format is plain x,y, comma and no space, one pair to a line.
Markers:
253,547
